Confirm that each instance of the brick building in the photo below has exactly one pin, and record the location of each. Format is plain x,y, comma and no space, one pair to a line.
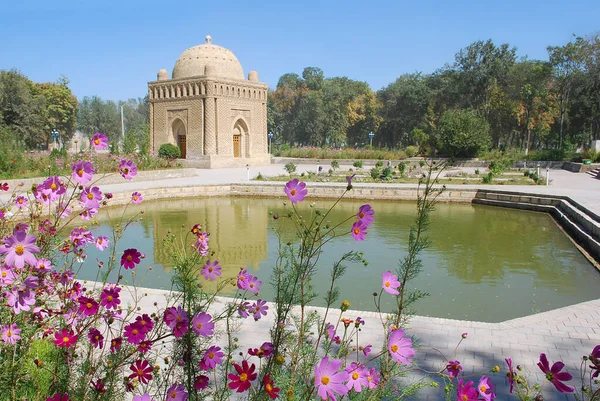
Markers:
216,116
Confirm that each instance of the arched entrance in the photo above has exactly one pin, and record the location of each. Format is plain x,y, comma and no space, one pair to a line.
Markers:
180,137
240,139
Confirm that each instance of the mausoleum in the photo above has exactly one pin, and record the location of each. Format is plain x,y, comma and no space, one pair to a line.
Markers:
207,108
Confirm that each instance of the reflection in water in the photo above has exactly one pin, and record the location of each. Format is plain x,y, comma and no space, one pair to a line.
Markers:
485,263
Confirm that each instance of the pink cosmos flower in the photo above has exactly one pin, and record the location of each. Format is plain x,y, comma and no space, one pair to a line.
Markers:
65,338
20,299
87,306
202,325
90,197
181,328
4,186
174,315
330,330
366,350
82,172
142,370
554,374
466,392
212,357
177,393
295,190
358,231
43,265
21,202
144,397
254,285
349,181
328,380
485,389
62,210
245,375
358,377
201,382
144,346
365,215
400,348
109,297
259,309
136,198
130,258
243,309
99,141
511,374
7,276
243,278
373,378
54,185
59,397
102,242
390,283
19,249
211,270
115,344
127,169
265,350
134,333
96,338
145,322
453,368
10,333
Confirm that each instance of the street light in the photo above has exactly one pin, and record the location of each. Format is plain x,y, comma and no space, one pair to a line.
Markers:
371,136
270,135
55,135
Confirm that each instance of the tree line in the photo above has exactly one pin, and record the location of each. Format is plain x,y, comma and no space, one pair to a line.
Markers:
487,97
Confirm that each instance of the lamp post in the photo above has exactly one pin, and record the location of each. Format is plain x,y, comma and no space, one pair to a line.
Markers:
371,136
270,135
54,136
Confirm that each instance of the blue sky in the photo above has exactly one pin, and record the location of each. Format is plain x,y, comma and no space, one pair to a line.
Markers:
113,48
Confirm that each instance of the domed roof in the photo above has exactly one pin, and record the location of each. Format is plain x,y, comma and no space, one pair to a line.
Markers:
193,62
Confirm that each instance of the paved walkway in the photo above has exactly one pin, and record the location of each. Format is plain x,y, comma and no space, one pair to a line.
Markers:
564,334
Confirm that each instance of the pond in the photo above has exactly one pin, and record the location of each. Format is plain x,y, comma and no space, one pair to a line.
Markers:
484,263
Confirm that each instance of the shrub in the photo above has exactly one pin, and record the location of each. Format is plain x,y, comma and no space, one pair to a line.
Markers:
387,174
402,169
411,151
462,133
169,151
290,168
375,173
358,164
335,165
379,164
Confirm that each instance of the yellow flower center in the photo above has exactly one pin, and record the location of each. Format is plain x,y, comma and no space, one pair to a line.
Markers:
9,334
387,284
394,348
19,250
173,394
97,141
243,377
100,241
42,266
20,200
80,172
369,379
134,332
109,298
211,355
268,387
361,215
199,326
482,388
135,198
89,305
210,269
356,230
129,257
125,170
355,375
90,196
4,274
53,185
324,380
65,339
464,397
140,372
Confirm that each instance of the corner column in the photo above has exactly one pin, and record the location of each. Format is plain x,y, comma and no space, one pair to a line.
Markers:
210,134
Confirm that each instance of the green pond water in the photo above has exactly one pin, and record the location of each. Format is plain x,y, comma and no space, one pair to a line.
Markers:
484,263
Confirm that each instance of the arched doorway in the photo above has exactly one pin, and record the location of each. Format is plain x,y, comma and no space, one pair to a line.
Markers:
240,139
180,137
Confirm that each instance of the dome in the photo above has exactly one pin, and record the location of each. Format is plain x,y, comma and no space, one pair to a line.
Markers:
194,61
162,74
253,76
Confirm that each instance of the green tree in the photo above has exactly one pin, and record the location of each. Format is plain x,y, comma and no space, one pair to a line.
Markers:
96,115
60,111
462,133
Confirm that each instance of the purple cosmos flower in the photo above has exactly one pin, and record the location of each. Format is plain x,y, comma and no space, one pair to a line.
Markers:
21,202
43,265
90,197
349,181
373,378
127,169
174,315
453,368
485,389
19,249
130,258
55,185
358,231
254,285
109,297
365,215
80,237
295,190
358,377
259,308
595,360
65,338
330,330
145,322
212,357
99,141
20,299
200,383
62,210
115,344
10,333
88,214
7,276
144,397
202,325
211,270
177,393
328,380
59,397
366,350
466,392
554,374
243,278
265,350
102,242
400,348
144,346
390,283
142,370
136,198
243,309
82,172
511,374
96,338
87,306
134,333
